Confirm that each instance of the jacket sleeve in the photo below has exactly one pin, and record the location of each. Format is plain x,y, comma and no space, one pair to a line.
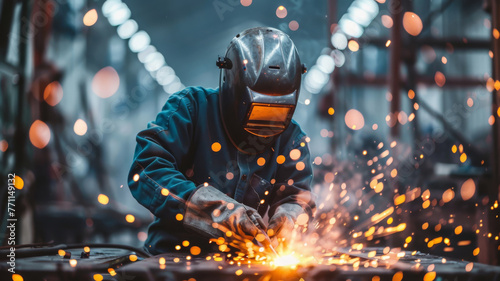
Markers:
293,177
154,178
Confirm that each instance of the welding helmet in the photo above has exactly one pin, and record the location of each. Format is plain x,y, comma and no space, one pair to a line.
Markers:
259,87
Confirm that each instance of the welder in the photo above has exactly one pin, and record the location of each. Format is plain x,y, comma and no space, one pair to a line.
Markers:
215,161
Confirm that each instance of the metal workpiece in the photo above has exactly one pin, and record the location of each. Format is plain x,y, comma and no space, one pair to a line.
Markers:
340,264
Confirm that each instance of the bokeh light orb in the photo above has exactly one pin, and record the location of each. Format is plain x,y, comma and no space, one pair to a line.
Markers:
468,189
387,21
354,120
80,127
39,134
127,29
281,12
139,41
293,25
53,93
412,23
105,82
325,63
90,18
339,41
246,3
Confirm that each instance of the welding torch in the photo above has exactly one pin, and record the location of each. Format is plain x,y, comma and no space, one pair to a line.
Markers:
263,232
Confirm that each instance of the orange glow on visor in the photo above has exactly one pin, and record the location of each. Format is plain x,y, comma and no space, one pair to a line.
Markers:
266,113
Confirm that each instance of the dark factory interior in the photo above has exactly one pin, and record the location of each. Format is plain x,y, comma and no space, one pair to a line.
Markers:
396,178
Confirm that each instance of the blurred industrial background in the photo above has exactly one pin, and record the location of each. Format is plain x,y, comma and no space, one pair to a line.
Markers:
400,103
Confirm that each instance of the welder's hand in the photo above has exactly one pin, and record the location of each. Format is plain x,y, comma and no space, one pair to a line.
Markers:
214,214
282,224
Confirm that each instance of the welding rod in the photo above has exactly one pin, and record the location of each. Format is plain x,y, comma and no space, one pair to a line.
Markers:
271,246
256,222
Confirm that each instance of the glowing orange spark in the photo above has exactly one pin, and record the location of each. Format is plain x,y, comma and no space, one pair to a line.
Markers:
111,271
448,195
496,85
90,18
379,217
398,276
165,192
103,199
53,93
136,177
300,166
4,145
468,189
39,134
476,251
18,182
463,157
411,94
130,218
399,199
261,161
426,204
430,276
280,159
216,147
353,46
440,79
295,154
412,23
490,84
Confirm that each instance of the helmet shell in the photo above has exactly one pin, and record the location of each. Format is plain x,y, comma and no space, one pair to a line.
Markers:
259,88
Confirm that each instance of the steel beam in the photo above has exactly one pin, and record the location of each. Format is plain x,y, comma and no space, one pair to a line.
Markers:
493,225
395,63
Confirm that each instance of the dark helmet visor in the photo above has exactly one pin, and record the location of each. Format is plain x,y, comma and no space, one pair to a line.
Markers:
269,114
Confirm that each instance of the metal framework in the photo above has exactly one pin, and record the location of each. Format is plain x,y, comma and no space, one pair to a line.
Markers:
402,51
13,77
494,191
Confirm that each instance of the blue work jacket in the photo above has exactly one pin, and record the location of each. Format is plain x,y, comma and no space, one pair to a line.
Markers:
186,146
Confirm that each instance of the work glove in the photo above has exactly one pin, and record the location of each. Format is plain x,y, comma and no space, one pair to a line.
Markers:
213,214
282,224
